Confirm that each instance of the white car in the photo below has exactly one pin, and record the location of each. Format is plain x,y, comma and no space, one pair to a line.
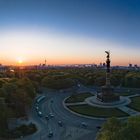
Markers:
51,115
39,113
37,108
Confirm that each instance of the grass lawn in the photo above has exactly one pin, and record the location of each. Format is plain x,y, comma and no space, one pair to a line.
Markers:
78,97
97,112
135,103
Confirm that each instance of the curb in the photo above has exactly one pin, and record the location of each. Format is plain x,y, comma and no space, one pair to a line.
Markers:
88,117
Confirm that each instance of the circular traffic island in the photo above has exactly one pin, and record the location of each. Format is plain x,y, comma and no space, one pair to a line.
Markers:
96,111
87,105
135,103
80,97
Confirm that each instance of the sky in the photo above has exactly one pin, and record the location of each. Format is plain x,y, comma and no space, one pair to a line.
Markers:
69,31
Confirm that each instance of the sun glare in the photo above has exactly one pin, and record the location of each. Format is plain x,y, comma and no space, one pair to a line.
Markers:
20,61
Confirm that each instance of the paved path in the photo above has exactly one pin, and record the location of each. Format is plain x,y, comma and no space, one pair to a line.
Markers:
78,103
135,95
129,111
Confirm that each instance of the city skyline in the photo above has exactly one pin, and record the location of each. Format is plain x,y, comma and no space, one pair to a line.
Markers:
69,32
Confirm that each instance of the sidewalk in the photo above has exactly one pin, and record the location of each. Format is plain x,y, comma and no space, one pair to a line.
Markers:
129,111
78,103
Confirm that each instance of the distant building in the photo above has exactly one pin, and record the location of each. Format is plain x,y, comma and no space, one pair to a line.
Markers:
130,66
104,64
3,68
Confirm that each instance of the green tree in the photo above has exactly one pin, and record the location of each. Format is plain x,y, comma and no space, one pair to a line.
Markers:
115,129
57,82
3,119
109,130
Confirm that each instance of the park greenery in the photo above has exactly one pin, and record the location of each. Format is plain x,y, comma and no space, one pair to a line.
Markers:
115,129
61,78
57,82
18,88
97,112
135,103
68,77
16,96
23,130
80,97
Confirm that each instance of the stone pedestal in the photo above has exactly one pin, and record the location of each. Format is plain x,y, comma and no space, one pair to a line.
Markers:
107,95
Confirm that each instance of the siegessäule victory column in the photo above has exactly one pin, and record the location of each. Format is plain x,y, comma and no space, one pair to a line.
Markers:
107,94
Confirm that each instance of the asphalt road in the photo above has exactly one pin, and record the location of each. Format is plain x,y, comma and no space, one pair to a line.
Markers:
72,128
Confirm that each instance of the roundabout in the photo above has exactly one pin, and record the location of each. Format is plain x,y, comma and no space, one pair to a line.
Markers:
82,112
73,110
104,104
91,107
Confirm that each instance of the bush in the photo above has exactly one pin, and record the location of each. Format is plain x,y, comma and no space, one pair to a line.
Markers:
115,129
23,130
55,83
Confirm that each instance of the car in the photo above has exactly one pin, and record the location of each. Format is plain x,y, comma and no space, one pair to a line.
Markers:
50,134
60,123
78,85
98,127
84,124
47,117
37,108
39,113
51,115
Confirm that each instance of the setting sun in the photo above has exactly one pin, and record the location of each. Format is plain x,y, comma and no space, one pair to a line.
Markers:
20,61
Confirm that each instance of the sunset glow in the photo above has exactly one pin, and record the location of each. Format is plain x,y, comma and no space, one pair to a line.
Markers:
20,61
78,39
62,49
